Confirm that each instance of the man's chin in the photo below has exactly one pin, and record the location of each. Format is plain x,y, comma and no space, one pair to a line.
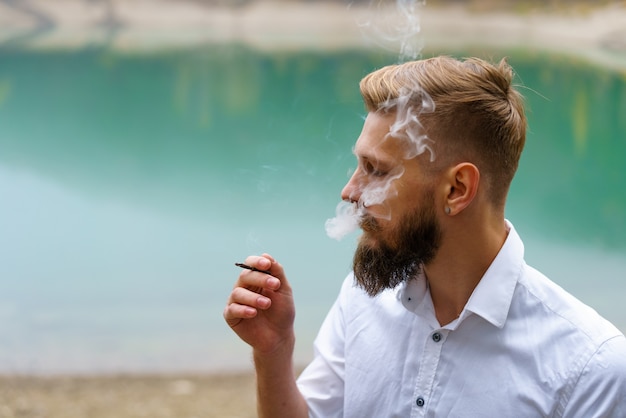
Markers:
370,240
377,268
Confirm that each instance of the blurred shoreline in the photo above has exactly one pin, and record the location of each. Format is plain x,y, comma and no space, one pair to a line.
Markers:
595,33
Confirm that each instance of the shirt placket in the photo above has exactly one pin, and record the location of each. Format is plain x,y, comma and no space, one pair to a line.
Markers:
428,369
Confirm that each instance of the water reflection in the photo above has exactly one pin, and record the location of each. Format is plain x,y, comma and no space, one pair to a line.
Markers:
131,184
568,182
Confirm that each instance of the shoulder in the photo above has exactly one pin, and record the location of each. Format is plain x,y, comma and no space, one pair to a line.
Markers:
600,389
583,354
558,307
608,363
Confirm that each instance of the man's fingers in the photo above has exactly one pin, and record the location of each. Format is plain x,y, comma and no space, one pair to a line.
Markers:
253,279
234,313
269,257
244,304
260,262
267,263
249,298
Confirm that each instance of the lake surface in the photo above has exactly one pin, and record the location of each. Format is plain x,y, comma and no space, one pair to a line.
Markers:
131,183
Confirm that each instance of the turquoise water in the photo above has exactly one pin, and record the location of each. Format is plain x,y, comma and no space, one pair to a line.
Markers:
130,184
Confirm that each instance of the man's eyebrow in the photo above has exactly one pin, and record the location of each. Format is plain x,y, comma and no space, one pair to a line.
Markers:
375,161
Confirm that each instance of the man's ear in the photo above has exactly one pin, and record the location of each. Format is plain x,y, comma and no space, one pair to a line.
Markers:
462,186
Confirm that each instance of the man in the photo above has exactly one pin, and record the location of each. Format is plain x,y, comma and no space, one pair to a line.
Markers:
441,316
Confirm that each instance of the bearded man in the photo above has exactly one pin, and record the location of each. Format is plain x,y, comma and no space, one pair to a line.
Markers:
441,315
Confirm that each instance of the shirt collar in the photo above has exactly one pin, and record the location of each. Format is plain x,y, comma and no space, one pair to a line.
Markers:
492,297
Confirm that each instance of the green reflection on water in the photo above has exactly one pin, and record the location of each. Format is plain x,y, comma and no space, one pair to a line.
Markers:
224,120
569,182
132,183
207,130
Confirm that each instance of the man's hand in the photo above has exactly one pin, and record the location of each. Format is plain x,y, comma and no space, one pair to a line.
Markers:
260,308
261,311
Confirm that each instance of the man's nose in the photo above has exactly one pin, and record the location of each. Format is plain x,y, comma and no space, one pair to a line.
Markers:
352,191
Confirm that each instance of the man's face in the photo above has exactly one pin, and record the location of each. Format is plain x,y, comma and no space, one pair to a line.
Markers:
400,227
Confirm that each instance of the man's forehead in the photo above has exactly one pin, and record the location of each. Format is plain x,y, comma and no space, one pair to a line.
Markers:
375,143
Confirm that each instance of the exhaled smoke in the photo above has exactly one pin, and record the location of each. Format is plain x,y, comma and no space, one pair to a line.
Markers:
412,102
408,130
346,220
394,25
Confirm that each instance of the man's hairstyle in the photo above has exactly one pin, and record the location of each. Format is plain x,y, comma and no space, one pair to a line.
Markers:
478,116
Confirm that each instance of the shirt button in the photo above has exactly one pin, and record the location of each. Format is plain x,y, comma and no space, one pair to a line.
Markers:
436,337
420,402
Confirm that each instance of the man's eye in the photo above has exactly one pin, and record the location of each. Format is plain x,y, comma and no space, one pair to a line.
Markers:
371,170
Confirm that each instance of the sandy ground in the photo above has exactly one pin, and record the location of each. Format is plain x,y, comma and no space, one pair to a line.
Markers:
143,25
223,396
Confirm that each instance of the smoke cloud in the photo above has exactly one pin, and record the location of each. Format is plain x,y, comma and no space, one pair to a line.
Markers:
407,128
394,26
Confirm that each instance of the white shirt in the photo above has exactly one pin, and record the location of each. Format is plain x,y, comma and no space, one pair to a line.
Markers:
522,347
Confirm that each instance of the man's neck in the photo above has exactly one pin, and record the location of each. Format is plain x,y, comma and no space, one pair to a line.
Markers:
461,262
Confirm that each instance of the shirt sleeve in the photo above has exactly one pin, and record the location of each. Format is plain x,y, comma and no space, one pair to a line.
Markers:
322,382
601,387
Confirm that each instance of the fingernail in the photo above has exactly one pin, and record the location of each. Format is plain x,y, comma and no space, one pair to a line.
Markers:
263,302
273,282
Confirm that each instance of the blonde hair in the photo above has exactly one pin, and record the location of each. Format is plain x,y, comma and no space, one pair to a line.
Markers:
478,115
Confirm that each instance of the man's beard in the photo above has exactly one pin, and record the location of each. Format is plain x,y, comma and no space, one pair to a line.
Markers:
382,265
